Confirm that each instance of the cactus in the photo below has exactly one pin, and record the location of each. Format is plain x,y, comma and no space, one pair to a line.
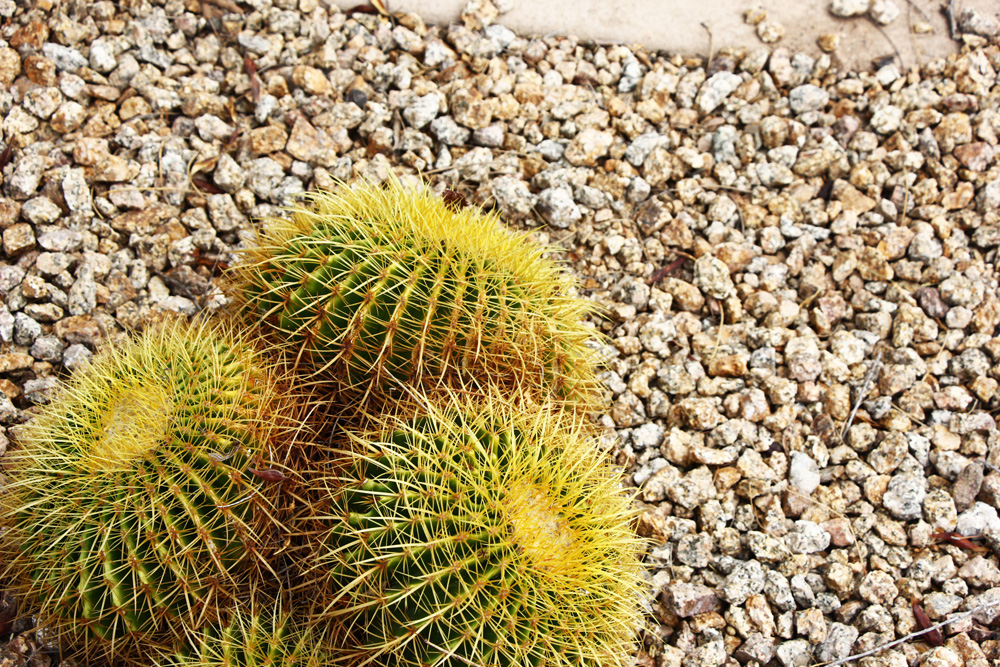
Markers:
473,532
261,631
132,507
372,284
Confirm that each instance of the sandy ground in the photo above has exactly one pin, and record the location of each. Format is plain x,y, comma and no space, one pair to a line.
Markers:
679,26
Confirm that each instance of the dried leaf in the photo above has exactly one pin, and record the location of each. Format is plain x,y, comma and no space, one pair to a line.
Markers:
362,9
664,270
205,186
5,156
957,540
204,165
454,200
934,636
268,474
250,67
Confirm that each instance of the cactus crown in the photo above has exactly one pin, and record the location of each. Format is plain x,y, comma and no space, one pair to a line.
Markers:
130,508
370,283
477,534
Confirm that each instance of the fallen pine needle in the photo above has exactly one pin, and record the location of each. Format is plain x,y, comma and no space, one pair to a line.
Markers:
865,386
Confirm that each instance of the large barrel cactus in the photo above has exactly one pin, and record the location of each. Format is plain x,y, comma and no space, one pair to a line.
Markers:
370,284
472,532
133,505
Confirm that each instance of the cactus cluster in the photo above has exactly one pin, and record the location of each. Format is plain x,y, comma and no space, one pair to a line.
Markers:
470,531
465,517
131,509
375,284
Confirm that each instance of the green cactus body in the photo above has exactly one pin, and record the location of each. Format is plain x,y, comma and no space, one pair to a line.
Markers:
371,284
130,508
480,535
260,632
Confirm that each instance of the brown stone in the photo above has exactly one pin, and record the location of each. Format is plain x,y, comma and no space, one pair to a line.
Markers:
33,35
15,361
976,156
588,146
144,221
200,103
68,117
10,211
116,169
728,365
736,256
40,70
873,266
311,80
316,146
79,329
9,389
90,151
268,139
18,239
134,106
685,599
10,66
960,197
852,198
470,109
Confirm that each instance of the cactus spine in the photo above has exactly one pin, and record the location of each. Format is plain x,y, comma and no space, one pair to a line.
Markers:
131,509
479,534
373,284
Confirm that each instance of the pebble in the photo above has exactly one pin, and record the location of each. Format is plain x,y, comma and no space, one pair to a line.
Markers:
978,520
76,356
422,111
18,239
557,206
905,495
848,8
745,580
884,12
686,600
977,22
803,473
807,98
716,89
66,59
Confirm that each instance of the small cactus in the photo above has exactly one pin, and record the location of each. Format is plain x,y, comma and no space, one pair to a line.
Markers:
258,632
372,284
477,533
132,506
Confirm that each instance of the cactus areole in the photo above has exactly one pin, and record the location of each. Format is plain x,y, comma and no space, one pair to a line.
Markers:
130,508
483,537
370,284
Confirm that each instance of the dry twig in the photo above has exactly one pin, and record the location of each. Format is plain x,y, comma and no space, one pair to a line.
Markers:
865,386
949,12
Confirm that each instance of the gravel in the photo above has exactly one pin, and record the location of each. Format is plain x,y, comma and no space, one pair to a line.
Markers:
796,265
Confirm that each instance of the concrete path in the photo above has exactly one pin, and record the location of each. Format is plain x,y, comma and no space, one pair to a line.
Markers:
679,26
